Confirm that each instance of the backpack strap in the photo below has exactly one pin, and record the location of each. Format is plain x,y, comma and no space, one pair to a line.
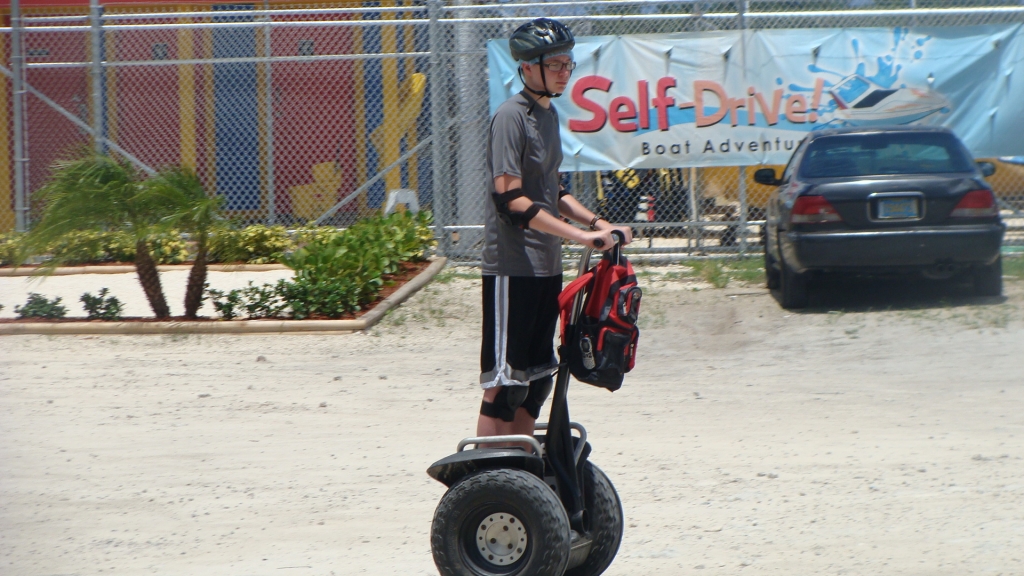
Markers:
566,297
569,292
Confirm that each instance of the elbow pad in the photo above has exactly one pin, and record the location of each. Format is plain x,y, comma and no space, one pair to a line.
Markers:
512,218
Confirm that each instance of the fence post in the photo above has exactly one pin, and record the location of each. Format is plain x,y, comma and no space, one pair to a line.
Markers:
741,12
96,72
472,110
268,117
437,160
743,210
697,234
18,91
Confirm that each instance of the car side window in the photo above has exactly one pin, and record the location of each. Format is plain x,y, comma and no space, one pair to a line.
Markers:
793,161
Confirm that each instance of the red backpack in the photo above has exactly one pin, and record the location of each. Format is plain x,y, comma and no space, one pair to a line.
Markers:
601,346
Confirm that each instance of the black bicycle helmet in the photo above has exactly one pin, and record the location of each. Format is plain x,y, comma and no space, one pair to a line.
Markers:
535,39
539,37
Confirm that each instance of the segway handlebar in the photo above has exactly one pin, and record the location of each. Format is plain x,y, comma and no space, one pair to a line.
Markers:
617,238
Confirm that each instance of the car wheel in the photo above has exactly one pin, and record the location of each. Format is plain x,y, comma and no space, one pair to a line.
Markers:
605,512
500,523
793,288
771,274
988,280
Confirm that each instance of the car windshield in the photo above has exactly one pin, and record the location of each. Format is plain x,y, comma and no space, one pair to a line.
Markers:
884,153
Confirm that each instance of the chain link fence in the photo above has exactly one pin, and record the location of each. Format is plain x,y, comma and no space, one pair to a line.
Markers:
293,114
322,113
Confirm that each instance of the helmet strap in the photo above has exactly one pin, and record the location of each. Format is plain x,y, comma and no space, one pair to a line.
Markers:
544,81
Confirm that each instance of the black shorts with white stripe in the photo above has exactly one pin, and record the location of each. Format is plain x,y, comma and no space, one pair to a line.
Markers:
520,317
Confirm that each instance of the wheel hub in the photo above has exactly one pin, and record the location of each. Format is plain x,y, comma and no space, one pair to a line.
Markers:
501,539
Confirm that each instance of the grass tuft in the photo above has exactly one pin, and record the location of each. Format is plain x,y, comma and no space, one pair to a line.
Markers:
718,272
1013,266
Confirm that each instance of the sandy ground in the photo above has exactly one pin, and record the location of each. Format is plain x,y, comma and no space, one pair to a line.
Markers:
881,432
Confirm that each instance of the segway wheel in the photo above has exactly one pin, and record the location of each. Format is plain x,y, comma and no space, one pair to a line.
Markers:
606,521
500,523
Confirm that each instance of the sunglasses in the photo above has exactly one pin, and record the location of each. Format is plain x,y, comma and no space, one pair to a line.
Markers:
559,66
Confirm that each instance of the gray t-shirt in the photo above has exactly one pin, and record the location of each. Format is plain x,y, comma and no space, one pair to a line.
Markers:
529,147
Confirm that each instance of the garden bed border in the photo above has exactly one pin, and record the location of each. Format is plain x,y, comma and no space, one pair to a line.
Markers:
272,326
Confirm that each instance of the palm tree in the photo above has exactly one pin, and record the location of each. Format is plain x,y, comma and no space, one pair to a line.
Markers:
102,193
194,212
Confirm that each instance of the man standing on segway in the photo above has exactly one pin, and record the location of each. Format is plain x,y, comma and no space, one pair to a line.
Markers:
524,228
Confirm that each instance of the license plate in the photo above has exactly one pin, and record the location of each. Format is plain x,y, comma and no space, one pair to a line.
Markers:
897,208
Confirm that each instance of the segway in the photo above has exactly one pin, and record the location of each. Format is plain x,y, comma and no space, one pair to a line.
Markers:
545,511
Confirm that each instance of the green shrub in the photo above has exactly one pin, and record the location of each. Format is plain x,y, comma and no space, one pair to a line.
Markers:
389,240
39,306
9,246
88,247
97,247
167,248
411,234
339,273
120,247
254,245
92,247
299,299
102,307
262,301
315,235
374,246
257,302
336,272
331,298
225,303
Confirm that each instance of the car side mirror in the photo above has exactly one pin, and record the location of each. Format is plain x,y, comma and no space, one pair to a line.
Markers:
766,176
987,168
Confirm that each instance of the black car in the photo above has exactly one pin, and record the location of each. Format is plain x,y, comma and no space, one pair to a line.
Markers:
881,200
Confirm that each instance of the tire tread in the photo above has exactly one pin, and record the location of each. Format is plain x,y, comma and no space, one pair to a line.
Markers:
988,280
794,288
606,520
527,492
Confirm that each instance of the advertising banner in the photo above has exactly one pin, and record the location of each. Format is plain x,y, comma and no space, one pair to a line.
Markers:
747,97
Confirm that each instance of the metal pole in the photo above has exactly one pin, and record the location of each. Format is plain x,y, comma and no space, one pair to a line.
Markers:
98,108
18,67
437,129
470,175
269,119
743,210
741,9
27,88
366,185
694,207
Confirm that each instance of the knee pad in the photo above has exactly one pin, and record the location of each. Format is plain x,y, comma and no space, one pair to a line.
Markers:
505,404
540,389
